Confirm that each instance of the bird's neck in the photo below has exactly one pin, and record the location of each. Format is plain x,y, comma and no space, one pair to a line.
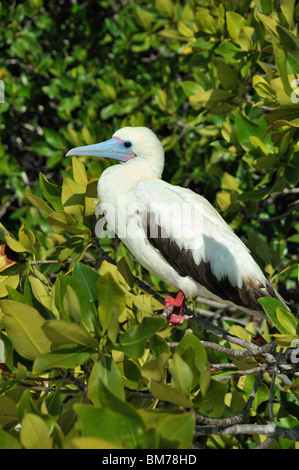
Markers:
122,179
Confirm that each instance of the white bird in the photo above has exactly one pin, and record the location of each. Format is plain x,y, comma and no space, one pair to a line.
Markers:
173,232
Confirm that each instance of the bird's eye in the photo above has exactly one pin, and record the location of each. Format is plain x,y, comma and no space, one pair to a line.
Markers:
128,144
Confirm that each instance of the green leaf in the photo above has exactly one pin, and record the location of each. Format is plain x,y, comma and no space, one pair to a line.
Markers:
7,281
268,71
227,75
61,332
185,30
235,23
132,342
245,128
26,405
229,51
125,271
8,441
289,41
286,341
159,345
105,424
8,411
172,427
40,289
112,300
287,8
197,360
240,362
213,401
281,65
284,97
155,368
23,325
129,423
107,372
38,203
165,8
288,321
88,278
181,374
168,393
15,245
73,198
71,305
262,393
263,88
62,222
245,38
209,99
34,433
67,302
191,88
65,358
117,405
27,238
53,139
270,305
51,192
262,163
91,197
93,443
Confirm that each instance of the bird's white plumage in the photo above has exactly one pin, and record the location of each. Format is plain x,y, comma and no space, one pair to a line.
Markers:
194,224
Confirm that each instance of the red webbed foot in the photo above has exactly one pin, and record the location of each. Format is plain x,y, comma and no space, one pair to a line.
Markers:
174,308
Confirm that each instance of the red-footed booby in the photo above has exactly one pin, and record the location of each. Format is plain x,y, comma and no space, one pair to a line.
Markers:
173,232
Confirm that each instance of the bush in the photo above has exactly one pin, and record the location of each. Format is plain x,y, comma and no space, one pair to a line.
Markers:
85,359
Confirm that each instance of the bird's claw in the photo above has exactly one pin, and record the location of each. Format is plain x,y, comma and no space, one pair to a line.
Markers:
177,320
174,308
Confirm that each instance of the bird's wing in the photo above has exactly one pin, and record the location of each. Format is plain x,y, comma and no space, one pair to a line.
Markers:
194,239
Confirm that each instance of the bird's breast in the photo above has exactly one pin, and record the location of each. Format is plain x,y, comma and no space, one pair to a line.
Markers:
119,206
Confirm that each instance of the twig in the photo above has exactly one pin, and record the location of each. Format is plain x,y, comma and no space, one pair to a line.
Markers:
214,303
270,430
66,261
52,389
239,418
74,380
32,379
252,349
239,352
143,285
265,443
271,392
222,365
294,205
236,375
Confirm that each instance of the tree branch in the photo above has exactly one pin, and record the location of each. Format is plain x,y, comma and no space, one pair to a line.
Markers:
270,430
239,418
143,285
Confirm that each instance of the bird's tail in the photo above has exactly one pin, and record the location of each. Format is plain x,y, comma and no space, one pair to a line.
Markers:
273,293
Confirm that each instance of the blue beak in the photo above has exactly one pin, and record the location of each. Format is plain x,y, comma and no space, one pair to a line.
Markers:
112,148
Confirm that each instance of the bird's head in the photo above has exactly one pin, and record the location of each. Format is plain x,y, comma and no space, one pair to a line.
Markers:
126,144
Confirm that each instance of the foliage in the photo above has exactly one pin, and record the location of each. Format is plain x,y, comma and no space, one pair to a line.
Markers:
85,361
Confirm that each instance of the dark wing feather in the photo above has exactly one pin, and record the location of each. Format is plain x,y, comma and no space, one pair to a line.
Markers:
183,262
